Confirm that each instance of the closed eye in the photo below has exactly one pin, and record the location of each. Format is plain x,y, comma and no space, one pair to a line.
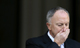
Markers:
60,24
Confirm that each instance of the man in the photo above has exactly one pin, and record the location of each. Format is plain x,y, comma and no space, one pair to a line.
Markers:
57,36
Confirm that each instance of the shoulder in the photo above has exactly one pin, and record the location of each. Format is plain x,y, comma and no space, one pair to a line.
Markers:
36,40
73,42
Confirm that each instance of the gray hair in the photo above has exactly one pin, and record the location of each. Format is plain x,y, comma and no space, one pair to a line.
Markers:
52,11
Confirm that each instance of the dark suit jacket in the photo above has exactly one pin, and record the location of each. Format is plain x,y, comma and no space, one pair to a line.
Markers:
45,42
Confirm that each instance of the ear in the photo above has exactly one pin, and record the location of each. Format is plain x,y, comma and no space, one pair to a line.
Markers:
48,25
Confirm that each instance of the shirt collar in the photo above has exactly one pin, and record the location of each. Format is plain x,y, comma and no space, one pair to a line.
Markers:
52,39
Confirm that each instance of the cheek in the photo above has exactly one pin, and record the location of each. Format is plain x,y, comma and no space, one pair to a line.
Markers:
68,27
57,29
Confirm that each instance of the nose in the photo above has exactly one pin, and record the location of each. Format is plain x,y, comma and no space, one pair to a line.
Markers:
64,28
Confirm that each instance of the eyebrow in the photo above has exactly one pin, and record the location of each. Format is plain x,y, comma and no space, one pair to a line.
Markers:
62,23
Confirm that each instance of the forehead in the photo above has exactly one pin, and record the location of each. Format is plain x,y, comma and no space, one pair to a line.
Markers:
60,16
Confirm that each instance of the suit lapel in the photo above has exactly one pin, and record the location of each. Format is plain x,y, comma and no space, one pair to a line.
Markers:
46,39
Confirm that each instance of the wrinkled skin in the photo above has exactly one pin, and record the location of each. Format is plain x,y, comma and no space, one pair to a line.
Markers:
59,26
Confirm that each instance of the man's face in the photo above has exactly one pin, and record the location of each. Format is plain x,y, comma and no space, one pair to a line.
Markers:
59,21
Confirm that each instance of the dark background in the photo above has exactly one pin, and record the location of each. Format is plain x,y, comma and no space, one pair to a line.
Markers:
23,19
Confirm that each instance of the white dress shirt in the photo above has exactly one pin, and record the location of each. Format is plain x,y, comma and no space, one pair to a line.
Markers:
52,39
